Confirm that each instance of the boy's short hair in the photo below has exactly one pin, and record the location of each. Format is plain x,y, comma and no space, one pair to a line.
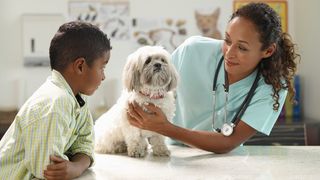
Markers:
74,40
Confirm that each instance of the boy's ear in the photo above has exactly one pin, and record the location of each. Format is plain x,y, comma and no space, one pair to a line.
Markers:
78,65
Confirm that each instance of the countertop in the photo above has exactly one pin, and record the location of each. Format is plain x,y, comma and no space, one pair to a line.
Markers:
244,162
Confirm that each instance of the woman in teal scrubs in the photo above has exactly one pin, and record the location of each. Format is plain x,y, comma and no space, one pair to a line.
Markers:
254,48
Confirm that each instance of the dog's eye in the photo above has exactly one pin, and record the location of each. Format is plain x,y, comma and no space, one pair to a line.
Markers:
148,60
163,60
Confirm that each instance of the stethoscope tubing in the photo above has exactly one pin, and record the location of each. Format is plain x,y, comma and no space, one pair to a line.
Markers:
243,105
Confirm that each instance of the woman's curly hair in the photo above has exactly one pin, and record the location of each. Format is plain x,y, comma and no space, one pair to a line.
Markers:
280,68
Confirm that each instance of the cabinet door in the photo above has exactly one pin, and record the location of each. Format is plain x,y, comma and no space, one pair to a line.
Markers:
37,32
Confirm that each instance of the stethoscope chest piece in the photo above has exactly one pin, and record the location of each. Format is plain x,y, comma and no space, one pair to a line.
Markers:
227,129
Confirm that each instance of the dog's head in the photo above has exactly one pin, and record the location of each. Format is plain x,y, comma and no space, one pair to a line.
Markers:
149,69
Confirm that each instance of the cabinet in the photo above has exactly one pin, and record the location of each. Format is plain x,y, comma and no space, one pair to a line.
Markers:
37,32
6,118
305,132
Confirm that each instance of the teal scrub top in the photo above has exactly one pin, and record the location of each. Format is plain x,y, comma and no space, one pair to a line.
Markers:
196,61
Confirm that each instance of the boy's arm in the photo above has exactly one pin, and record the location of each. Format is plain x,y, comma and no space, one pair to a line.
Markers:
84,143
41,139
63,169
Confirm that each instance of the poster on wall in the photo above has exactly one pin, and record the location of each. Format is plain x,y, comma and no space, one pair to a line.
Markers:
111,17
207,22
166,32
280,6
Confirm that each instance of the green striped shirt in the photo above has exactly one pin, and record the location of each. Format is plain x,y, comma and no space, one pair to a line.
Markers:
51,122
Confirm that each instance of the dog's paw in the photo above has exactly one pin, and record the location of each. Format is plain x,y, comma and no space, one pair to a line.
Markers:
137,151
160,151
120,147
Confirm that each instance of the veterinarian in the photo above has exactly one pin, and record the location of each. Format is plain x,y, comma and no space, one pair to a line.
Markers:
228,89
52,134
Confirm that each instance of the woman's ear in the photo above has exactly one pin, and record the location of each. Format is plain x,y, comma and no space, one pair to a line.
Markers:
78,65
269,51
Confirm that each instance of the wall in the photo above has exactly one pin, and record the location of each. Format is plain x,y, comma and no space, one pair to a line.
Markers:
18,82
307,31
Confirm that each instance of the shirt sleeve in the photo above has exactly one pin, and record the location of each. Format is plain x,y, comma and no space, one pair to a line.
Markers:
85,135
44,137
260,114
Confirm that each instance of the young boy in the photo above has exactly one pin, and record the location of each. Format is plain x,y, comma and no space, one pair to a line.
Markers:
52,135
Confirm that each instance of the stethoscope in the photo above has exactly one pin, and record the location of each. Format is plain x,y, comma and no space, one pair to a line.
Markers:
227,129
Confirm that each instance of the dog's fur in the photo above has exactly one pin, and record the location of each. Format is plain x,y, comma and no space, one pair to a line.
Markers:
149,77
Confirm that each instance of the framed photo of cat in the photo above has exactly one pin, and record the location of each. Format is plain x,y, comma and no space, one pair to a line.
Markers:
280,6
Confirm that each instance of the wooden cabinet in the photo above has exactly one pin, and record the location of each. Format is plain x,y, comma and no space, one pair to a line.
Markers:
6,118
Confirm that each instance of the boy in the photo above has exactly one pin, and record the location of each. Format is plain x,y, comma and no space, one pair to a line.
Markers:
52,134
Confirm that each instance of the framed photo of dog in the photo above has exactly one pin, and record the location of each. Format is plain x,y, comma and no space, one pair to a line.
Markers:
280,6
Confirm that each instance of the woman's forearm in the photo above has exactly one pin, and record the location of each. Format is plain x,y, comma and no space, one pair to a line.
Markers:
208,140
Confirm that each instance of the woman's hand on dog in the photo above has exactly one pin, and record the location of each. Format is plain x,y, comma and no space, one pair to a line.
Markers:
153,120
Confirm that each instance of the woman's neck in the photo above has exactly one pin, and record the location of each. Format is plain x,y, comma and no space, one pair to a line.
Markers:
233,78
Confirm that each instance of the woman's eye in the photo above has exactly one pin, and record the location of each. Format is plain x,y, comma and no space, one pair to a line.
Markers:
242,48
227,41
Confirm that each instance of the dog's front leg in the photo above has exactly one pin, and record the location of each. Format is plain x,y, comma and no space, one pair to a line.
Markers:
136,144
158,145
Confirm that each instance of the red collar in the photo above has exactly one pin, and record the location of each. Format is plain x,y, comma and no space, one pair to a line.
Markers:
156,96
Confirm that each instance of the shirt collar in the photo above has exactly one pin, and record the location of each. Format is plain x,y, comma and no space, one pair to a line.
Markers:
60,81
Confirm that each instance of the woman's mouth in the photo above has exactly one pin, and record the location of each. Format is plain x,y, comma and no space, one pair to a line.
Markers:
229,63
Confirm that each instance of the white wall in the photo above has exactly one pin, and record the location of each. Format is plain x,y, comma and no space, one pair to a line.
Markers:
307,34
18,82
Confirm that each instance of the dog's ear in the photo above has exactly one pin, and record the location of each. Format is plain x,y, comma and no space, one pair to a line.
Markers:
174,78
131,74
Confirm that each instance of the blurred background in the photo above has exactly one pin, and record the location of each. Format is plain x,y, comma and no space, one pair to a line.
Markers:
27,27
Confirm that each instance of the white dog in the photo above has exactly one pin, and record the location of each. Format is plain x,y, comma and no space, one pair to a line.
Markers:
148,77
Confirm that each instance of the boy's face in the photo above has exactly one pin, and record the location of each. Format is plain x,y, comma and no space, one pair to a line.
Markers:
93,75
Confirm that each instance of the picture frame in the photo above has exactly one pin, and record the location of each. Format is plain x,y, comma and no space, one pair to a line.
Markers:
280,6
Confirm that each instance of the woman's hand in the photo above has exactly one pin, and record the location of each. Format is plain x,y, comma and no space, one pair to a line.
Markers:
153,120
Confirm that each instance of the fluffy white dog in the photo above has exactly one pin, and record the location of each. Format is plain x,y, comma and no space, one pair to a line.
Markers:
148,77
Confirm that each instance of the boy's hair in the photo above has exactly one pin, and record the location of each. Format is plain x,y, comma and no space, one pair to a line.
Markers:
74,40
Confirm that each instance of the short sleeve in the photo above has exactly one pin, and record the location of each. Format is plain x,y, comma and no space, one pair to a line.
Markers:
260,113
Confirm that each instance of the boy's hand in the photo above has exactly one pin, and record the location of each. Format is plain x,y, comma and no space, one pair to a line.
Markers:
61,169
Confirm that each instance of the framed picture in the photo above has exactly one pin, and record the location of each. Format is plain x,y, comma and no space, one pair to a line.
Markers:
280,6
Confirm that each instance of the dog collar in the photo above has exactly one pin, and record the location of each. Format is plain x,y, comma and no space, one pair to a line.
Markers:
154,96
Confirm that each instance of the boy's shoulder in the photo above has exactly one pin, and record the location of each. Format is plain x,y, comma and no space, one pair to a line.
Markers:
48,99
52,93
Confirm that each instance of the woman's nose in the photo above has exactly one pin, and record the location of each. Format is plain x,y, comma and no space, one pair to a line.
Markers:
230,51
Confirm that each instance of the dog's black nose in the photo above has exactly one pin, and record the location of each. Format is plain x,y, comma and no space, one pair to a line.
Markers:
157,65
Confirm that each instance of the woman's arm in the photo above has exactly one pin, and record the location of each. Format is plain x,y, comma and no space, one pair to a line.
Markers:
209,141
